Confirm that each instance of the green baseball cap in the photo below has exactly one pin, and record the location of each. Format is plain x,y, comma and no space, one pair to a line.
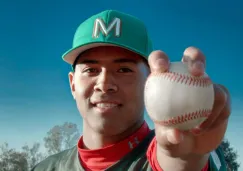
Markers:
110,28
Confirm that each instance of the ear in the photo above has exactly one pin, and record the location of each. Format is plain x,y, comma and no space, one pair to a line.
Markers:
71,83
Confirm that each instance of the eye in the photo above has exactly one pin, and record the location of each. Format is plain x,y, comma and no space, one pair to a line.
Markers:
125,70
91,70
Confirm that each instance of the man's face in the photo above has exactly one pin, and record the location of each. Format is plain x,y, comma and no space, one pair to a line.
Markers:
108,85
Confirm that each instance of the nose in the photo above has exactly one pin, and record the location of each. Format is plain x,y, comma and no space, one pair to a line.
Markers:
106,83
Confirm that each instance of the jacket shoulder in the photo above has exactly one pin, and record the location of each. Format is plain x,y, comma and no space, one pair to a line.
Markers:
54,162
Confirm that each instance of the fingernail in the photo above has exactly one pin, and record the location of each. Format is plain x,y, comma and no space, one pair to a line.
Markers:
160,62
174,138
197,68
161,65
171,138
185,58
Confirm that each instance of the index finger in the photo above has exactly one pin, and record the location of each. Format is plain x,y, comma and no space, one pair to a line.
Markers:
158,62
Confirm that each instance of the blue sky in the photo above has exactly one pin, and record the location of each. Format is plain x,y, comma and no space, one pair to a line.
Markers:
34,90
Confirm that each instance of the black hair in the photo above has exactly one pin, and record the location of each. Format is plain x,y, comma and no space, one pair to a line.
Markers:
75,61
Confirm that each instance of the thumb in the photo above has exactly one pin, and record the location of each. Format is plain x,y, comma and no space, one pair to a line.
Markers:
173,142
168,137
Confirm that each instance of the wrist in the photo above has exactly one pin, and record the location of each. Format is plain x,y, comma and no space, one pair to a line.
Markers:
189,162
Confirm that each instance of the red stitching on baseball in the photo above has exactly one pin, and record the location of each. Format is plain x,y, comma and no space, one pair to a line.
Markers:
186,79
185,118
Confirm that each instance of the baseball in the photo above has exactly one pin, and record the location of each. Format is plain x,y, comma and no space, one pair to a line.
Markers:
177,99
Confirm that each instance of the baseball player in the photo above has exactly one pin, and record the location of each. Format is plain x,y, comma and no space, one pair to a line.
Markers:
111,57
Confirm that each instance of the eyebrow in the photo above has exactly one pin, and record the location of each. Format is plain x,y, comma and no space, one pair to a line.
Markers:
125,60
122,60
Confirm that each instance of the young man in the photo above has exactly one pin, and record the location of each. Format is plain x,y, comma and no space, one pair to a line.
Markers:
111,58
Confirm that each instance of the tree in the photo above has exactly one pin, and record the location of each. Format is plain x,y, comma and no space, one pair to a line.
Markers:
61,137
24,160
11,160
32,155
230,156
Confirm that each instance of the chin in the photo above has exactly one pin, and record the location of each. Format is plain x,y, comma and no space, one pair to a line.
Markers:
108,129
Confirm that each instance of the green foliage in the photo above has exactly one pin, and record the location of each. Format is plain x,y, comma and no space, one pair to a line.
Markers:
230,156
11,160
58,138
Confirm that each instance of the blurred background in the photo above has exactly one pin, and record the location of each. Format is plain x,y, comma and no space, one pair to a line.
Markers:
37,113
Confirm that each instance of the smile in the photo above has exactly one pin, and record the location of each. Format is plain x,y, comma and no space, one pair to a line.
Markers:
106,105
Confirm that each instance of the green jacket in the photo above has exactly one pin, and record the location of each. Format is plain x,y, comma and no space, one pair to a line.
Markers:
136,160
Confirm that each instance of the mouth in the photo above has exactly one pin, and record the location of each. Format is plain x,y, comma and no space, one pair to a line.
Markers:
106,106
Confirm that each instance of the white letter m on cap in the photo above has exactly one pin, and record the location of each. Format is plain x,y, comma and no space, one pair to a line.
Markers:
99,25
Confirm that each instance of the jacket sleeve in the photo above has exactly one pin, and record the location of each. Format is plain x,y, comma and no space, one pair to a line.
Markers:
217,160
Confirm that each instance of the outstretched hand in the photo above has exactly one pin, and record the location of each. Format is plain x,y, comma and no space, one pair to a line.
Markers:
205,137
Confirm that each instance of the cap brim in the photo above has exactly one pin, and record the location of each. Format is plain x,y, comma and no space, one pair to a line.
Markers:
72,54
